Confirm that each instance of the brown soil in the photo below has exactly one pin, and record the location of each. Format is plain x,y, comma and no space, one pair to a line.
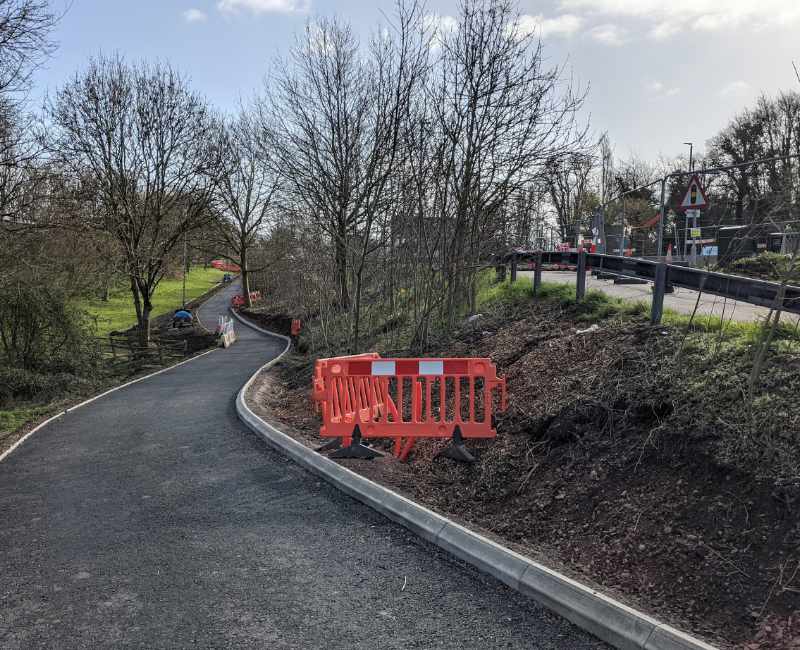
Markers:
612,465
278,323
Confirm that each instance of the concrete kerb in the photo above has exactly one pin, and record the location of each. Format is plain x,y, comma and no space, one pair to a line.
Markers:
612,621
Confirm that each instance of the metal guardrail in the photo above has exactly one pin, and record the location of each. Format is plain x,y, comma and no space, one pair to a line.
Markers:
734,287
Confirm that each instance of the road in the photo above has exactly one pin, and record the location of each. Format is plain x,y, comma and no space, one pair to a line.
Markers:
682,300
153,518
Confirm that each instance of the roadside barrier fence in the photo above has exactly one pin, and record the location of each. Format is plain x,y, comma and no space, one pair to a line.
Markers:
664,277
365,396
238,301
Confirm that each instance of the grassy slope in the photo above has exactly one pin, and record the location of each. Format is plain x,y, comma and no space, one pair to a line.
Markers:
599,306
119,313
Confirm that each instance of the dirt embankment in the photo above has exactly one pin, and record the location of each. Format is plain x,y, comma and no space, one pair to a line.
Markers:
639,470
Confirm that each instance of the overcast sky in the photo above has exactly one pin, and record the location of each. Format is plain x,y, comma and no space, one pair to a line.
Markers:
661,71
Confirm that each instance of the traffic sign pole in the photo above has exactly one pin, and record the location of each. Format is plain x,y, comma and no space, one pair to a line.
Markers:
694,201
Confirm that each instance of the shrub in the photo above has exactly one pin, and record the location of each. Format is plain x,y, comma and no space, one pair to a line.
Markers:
18,384
40,330
767,266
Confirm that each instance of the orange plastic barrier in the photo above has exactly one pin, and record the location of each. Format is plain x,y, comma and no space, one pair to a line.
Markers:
238,301
365,396
296,327
222,265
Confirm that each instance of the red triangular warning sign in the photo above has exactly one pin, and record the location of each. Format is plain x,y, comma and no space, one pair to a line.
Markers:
695,198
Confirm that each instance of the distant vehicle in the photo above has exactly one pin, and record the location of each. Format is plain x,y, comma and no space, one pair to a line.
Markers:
227,278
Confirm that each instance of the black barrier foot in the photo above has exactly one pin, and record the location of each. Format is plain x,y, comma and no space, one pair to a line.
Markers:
456,450
356,449
334,443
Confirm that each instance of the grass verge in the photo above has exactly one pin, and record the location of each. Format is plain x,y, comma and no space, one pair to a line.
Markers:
118,313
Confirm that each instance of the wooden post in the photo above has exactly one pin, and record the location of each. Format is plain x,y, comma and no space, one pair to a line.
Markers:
513,268
537,274
580,285
500,269
659,288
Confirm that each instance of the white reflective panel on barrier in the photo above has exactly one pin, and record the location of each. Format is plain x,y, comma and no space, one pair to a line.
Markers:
431,367
383,368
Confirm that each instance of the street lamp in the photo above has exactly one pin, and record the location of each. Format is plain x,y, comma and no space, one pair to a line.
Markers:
686,232
691,155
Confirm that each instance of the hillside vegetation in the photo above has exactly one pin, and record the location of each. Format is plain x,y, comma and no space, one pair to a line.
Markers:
631,456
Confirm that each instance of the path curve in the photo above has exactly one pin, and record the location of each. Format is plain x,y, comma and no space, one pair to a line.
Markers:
153,518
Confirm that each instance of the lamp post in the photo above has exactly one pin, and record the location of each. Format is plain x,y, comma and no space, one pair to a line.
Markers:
686,224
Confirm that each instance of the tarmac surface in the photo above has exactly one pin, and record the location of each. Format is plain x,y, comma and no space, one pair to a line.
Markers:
152,518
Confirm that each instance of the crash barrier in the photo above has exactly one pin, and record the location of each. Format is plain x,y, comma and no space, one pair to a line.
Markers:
664,276
366,396
225,331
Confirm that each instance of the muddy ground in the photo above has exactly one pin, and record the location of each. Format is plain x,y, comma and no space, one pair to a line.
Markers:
629,458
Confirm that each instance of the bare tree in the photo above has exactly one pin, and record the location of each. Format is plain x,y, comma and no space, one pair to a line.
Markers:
25,41
334,118
570,184
243,197
134,140
503,115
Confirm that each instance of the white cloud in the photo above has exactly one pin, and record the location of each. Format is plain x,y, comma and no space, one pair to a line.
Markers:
194,16
664,30
735,89
439,27
264,6
608,34
660,89
563,25
670,17
440,24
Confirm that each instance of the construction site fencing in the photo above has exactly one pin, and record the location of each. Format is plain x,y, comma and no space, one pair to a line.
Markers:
366,396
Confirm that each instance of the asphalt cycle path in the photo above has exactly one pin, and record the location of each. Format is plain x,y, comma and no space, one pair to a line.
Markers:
152,518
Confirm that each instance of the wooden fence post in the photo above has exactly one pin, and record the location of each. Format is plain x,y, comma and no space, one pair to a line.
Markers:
513,268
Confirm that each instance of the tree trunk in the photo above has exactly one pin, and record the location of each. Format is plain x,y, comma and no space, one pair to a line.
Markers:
144,326
245,278
341,274
137,302
357,315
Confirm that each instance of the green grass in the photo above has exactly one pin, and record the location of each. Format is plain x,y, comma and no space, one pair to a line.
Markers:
598,306
13,419
118,313
508,292
595,306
